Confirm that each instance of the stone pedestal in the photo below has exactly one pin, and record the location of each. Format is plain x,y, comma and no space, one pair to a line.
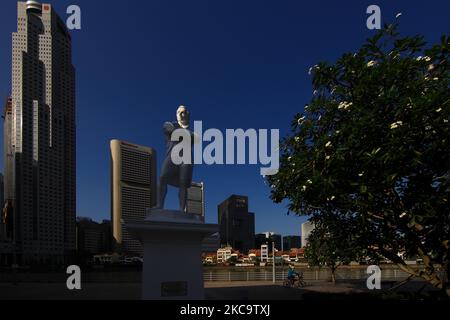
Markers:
172,242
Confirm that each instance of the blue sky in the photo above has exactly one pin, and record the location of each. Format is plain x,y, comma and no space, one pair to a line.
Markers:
235,64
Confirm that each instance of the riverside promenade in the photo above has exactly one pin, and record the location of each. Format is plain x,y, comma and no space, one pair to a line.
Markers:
246,290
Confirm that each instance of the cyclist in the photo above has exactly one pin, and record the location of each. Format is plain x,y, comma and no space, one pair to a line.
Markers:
292,274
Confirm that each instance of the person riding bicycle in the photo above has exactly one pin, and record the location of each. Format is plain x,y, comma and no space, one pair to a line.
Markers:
292,274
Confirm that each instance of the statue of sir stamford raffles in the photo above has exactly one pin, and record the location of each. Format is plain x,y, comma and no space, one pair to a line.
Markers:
176,175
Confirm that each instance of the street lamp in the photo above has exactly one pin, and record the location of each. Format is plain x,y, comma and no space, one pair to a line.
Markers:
273,260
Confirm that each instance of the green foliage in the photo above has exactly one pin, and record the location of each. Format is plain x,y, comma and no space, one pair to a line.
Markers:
372,147
232,260
331,244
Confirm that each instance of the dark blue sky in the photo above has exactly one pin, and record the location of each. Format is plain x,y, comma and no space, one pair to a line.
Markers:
235,64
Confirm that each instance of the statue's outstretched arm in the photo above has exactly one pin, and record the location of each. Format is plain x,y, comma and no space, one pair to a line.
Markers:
168,128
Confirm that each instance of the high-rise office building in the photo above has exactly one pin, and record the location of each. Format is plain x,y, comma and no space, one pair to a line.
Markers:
196,205
8,152
196,199
42,137
7,193
237,225
2,192
307,228
268,238
291,242
133,191
2,220
260,239
92,237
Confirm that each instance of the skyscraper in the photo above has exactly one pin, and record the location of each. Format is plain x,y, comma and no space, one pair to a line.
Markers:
2,191
41,179
8,152
133,191
268,238
260,239
307,228
196,199
290,242
2,224
92,237
237,225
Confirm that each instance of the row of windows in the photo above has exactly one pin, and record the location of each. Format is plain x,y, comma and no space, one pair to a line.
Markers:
130,243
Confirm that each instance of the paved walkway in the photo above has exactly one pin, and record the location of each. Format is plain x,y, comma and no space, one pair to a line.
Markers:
213,291
270,291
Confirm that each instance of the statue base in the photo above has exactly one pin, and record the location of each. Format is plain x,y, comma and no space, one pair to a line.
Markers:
172,242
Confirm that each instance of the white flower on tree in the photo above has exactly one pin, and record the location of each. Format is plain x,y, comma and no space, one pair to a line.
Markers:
396,125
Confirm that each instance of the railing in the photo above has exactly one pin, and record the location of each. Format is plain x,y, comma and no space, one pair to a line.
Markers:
322,274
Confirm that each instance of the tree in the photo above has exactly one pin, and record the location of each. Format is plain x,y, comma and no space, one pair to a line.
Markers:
256,260
373,146
331,244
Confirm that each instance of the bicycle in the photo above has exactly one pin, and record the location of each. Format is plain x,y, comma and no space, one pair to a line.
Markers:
298,282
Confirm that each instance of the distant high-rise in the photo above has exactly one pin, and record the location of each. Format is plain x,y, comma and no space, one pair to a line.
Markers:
196,199
6,246
133,191
92,237
307,228
8,152
2,219
2,190
260,239
237,225
268,238
41,136
291,242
